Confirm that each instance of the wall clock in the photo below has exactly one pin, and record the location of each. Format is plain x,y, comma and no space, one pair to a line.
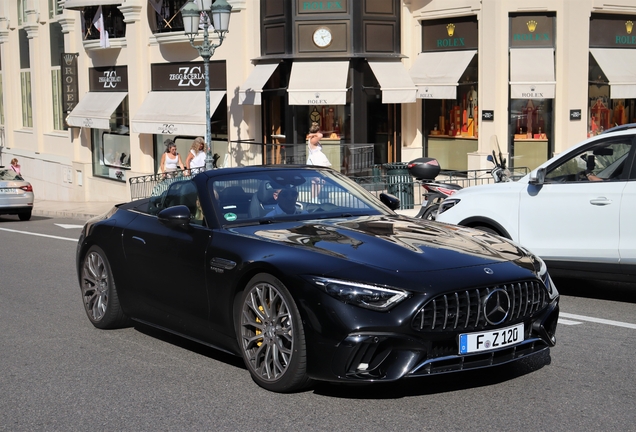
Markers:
322,37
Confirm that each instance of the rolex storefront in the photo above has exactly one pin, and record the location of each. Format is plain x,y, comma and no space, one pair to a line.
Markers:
337,64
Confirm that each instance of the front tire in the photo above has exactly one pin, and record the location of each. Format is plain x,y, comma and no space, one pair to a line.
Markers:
99,293
270,335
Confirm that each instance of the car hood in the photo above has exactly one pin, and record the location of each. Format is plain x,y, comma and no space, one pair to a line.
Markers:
392,242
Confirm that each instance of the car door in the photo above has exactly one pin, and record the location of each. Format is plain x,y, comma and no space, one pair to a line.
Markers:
627,242
168,266
572,218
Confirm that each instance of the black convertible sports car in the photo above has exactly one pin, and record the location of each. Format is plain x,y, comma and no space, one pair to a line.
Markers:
306,275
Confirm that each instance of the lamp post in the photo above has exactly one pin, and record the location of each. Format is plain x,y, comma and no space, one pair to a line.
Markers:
191,14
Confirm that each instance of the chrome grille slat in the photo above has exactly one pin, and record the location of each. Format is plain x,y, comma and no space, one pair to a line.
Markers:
445,311
468,308
456,309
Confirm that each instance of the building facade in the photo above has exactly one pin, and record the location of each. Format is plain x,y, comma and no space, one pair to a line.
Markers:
386,80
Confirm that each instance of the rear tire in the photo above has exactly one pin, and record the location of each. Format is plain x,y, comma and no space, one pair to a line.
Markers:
25,216
270,335
431,212
99,293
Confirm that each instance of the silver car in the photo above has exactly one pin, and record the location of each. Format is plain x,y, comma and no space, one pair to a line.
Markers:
16,194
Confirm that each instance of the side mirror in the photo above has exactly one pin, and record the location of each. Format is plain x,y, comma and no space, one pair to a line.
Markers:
490,159
391,201
175,217
537,177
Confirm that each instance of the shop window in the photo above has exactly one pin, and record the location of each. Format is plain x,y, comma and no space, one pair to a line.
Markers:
27,108
55,8
22,16
604,112
452,125
531,126
57,48
166,16
113,22
1,101
111,148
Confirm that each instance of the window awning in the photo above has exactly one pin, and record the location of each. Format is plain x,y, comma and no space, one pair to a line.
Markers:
619,66
250,91
174,112
95,109
395,82
436,73
532,73
318,83
81,4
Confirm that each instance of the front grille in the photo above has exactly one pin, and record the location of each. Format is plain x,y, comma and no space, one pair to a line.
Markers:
464,309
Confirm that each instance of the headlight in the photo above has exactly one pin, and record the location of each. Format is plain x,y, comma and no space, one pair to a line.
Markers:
541,269
446,204
359,294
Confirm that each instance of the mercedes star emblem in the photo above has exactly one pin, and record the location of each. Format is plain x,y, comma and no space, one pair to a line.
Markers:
496,306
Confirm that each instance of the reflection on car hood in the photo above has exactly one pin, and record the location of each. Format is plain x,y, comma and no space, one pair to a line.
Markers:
394,243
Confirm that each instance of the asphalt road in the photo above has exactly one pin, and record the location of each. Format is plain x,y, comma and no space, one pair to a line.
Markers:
57,372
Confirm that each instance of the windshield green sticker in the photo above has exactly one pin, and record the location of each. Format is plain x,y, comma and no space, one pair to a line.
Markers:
231,217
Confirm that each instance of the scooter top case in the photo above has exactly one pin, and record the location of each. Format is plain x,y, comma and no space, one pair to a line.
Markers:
424,168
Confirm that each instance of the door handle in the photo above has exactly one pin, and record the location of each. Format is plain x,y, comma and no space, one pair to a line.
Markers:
600,201
139,239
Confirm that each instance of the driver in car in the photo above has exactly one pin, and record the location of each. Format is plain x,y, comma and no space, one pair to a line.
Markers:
285,203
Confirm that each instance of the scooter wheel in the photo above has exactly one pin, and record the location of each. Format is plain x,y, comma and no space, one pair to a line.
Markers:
430,212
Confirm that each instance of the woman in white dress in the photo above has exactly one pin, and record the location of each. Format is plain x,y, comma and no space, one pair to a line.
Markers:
170,160
196,157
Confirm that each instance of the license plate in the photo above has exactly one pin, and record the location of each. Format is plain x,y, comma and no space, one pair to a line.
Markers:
490,340
8,190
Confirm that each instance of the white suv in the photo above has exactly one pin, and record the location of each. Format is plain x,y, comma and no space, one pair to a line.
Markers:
577,210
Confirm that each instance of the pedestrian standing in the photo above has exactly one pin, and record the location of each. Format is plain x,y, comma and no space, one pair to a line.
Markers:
15,166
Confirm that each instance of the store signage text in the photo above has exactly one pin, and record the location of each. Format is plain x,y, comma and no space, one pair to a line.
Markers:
532,95
531,37
450,42
188,76
625,40
110,79
69,81
317,102
322,6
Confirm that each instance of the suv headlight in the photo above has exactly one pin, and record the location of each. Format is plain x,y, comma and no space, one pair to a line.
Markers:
360,294
446,204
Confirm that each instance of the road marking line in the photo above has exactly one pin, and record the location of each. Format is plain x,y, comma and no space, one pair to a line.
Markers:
69,226
598,320
39,235
568,322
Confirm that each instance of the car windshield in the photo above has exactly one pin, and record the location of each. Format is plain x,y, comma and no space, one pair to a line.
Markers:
9,174
286,194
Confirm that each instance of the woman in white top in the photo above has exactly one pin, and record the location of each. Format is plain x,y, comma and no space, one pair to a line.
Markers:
196,156
171,160
316,156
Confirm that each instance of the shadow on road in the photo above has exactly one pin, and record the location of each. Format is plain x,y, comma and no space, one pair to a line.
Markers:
602,290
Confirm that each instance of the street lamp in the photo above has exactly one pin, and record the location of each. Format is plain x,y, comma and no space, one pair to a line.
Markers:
191,14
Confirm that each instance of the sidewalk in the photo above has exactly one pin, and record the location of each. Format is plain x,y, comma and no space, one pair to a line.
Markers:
87,210
69,209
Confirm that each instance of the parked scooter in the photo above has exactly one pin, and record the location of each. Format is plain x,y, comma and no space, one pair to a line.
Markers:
425,170
500,173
